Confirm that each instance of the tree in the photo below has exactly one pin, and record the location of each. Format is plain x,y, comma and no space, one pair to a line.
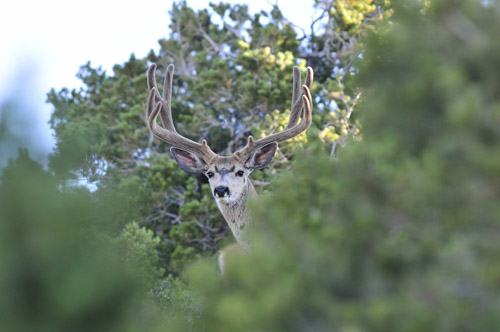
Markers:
233,79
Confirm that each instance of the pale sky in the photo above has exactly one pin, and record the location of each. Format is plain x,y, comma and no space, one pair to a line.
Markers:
51,39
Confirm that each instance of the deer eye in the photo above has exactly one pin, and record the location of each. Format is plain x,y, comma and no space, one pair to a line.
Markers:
210,175
240,173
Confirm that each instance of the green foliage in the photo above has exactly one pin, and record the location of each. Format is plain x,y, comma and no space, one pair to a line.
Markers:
57,271
401,233
139,247
177,303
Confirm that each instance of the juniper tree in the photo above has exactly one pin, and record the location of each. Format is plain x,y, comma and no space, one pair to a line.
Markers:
231,79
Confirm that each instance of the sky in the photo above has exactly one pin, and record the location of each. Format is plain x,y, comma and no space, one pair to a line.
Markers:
43,44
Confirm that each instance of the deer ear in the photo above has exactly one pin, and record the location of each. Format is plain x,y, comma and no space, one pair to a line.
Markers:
262,156
188,161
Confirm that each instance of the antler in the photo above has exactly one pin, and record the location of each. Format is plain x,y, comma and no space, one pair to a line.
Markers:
162,106
301,100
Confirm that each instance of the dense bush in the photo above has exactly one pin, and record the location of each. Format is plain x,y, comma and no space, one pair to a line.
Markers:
59,270
401,233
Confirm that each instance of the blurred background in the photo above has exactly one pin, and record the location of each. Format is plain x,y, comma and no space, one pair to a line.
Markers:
384,216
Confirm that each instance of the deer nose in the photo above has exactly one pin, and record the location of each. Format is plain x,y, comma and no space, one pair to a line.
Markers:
221,191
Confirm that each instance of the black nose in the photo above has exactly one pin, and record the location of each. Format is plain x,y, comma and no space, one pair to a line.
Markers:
221,191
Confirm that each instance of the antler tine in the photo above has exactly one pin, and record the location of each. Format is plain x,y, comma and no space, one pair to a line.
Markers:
166,115
157,105
297,94
287,133
167,98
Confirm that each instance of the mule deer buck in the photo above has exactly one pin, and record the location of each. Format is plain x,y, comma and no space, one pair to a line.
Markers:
228,176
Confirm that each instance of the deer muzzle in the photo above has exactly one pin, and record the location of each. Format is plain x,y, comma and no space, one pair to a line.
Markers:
221,191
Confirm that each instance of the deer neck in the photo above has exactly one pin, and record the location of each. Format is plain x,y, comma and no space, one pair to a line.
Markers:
237,215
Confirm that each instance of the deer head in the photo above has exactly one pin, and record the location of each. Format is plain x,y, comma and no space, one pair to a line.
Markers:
228,175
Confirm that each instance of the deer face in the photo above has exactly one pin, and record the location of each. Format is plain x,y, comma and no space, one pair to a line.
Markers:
228,180
228,176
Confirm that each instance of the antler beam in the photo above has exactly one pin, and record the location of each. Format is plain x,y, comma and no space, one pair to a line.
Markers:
162,106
